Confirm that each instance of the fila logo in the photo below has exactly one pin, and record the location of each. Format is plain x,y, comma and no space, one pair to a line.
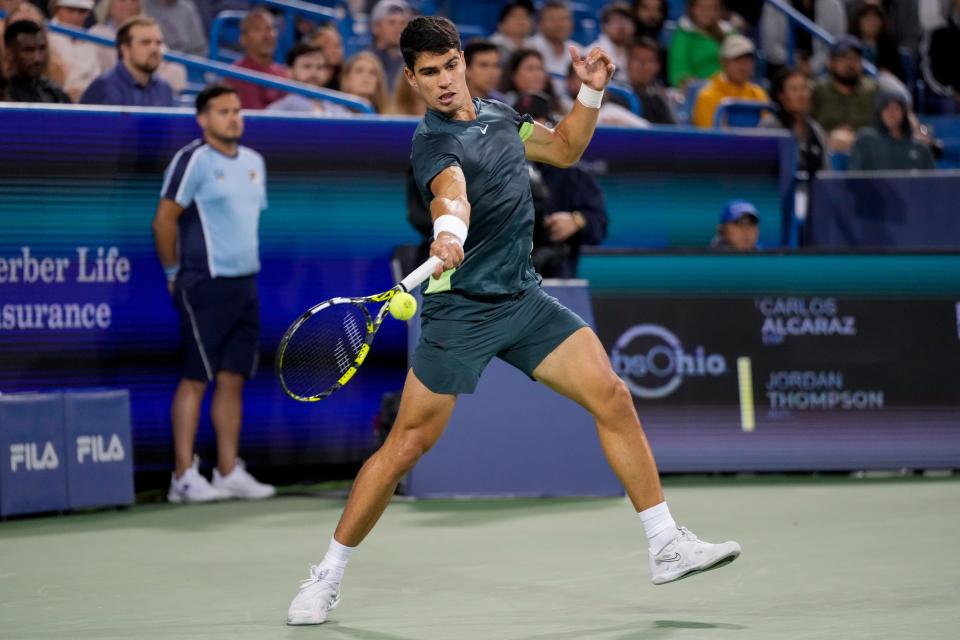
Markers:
93,447
26,455
483,129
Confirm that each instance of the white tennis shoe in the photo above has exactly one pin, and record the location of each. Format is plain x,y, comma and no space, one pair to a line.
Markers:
192,487
240,484
317,597
687,555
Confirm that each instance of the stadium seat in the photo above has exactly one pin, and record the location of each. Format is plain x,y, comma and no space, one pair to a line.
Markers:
740,113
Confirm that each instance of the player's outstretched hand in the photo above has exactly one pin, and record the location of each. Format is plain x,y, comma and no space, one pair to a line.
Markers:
595,70
448,248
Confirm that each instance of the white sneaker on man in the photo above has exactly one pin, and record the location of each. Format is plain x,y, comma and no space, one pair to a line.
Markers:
687,555
240,484
192,487
316,598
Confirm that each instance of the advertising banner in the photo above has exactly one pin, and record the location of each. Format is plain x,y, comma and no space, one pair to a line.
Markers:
790,383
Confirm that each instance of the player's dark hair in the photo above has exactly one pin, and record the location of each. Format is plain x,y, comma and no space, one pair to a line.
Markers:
18,27
302,49
210,92
477,46
428,34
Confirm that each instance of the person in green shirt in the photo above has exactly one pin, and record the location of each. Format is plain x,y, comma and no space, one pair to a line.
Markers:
695,45
843,100
485,301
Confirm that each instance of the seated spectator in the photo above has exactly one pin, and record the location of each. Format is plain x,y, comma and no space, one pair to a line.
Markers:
113,13
871,26
738,60
525,73
569,207
56,70
616,36
739,228
406,101
132,81
25,60
611,113
483,69
649,16
940,65
328,38
695,45
308,65
363,77
791,93
79,58
889,144
258,37
513,27
181,25
843,101
388,20
644,72
553,40
810,55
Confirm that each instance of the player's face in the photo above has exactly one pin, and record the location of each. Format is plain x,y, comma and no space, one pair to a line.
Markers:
145,51
441,80
222,120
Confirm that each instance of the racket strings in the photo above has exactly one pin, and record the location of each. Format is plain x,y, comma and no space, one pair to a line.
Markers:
322,349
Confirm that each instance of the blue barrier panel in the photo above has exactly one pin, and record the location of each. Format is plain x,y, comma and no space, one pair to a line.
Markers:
99,448
515,437
896,209
33,473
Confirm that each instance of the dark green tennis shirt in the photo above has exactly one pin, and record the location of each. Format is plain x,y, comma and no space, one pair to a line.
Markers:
490,152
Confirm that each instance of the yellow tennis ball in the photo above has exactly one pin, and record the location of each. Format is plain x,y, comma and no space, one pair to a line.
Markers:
403,306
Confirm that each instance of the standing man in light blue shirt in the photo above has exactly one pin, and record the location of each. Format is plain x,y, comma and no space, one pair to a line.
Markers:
206,237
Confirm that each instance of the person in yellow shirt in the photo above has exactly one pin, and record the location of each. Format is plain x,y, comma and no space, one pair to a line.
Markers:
737,57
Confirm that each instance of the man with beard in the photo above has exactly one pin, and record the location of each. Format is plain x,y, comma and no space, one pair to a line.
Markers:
843,101
206,235
132,81
26,58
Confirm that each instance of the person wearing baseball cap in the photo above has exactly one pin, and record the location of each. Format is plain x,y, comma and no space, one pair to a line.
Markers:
80,58
843,100
739,227
737,60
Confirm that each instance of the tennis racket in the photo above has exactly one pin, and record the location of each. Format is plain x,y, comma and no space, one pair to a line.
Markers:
325,346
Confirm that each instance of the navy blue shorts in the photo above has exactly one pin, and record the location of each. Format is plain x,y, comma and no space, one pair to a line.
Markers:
220,325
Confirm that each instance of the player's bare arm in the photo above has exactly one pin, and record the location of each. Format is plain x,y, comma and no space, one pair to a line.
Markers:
165,234
449,189
563,145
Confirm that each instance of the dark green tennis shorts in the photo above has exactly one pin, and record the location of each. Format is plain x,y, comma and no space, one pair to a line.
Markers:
521,330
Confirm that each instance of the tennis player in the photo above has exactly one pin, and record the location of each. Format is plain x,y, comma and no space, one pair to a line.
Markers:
485,301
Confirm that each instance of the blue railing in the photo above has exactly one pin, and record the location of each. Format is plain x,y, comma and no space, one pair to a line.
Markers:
796,19
229,71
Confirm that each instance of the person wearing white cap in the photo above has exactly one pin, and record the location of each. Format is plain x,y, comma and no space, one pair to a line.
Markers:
79,57
387,21
737,58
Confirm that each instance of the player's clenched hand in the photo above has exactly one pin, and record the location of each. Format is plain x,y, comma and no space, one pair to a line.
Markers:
595,70
448,248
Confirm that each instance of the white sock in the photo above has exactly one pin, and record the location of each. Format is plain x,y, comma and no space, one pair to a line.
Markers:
336,560
659,526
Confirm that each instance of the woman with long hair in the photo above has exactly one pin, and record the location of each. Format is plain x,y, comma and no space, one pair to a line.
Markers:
791,92
525,74
364,77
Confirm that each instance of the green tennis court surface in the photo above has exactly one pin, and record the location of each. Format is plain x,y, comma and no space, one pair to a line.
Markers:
842,559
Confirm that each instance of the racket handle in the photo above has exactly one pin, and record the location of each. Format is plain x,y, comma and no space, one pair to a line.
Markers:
421,273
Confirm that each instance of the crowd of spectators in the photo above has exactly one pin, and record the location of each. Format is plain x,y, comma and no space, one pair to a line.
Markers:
674,71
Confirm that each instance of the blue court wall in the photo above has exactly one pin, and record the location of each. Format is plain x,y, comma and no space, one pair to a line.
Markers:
77,181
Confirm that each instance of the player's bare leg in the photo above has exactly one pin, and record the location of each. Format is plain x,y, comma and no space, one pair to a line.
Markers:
421,420
580,370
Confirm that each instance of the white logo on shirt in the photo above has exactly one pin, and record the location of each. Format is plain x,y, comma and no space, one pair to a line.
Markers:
483,129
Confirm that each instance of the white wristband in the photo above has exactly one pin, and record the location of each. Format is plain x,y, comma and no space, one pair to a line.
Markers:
589,97
452,225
